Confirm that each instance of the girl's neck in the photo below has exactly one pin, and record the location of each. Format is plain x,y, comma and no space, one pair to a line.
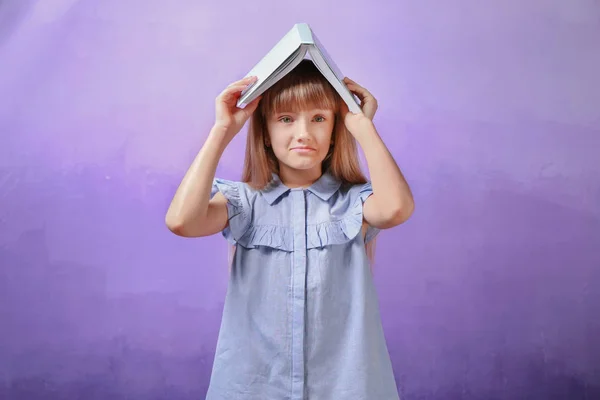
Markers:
294,178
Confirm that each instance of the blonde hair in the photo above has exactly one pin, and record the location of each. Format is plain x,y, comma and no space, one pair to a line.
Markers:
301,89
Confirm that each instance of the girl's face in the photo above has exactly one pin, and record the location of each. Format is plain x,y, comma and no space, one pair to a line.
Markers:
301,139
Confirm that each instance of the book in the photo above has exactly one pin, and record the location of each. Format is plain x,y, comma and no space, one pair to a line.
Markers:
294,47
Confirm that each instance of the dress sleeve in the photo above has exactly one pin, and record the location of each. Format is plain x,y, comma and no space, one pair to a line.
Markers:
347,223
239,211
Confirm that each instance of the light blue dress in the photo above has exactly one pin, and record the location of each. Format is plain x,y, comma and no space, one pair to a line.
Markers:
301,316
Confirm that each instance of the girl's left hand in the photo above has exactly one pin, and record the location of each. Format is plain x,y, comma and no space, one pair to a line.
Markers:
368,104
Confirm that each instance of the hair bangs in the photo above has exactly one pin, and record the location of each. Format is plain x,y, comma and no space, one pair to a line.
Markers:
303,89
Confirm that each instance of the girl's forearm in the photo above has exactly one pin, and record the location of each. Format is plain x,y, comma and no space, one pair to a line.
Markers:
390,189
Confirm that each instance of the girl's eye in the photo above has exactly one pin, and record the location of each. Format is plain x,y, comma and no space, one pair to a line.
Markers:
285,119
320,118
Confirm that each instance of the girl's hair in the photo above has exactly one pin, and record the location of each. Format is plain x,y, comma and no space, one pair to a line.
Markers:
301,89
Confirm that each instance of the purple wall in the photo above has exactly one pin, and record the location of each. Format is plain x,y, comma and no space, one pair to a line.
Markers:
491,290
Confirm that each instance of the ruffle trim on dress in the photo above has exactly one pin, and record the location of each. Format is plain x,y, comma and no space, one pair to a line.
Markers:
242,231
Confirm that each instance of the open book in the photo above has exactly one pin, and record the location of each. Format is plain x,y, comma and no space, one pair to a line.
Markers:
299,42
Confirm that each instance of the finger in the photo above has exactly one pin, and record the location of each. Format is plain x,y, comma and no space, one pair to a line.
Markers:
361,92
356,87
251,107
243,84
232,91
234,88
350,81
247,80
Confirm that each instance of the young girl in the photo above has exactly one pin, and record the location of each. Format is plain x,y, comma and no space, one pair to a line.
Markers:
301,317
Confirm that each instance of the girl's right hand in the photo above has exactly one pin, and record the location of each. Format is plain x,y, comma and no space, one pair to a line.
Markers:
228,116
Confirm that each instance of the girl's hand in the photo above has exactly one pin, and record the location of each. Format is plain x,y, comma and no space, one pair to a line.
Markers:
356,122
368,103
228,116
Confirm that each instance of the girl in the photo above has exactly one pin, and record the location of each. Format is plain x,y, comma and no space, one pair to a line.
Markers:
301,317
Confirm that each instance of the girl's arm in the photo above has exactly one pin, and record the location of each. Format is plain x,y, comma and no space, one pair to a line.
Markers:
391,202
192,213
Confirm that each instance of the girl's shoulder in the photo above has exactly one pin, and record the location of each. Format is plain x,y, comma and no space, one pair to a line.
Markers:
254,218
234,191
228,184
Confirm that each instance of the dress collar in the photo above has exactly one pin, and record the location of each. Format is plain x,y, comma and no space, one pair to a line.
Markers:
324,188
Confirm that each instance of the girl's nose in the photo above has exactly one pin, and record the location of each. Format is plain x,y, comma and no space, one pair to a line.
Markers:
302,131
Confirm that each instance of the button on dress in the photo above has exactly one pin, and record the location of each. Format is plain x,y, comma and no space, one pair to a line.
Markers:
301,315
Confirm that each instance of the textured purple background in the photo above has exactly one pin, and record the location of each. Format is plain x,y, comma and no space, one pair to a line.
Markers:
491,290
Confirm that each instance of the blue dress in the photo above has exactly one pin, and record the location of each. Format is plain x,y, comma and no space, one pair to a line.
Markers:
301,316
